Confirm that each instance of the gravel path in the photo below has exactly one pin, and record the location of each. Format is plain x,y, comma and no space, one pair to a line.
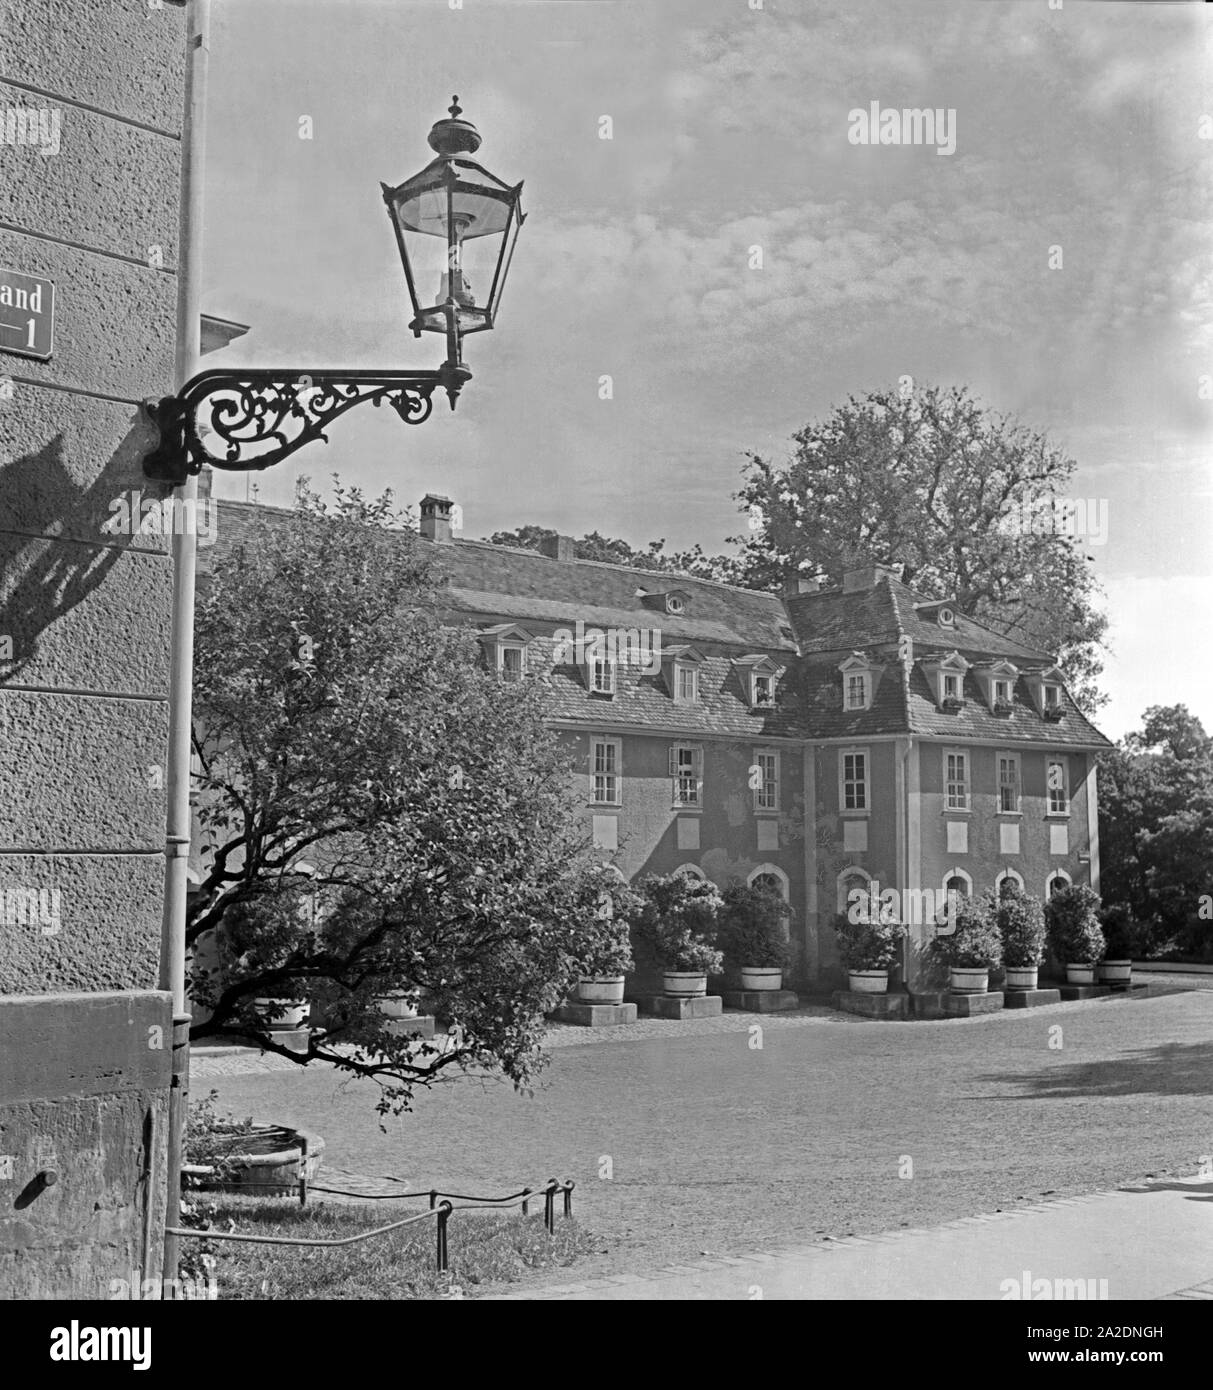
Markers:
702,1143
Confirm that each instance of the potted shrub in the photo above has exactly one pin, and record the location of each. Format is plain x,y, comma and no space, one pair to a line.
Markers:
867,950
608,955
752,934
679,922
1121,940
1075,937
398,1003
1021,924
973,949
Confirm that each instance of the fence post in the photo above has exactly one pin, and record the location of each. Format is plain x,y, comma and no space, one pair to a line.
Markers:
433,1199
303,1170
526,1205
568,1197
549,1206
444,1214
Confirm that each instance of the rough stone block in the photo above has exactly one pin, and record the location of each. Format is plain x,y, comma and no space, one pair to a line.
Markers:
104,927
56,628
79,773
123,57
115,323
1084,991
421,1026
1030,998
761,1001
892,1006
968,1005
660,1006
84,192
927,1004
595,1015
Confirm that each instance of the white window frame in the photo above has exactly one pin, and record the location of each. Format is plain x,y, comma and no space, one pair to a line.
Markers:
616,775
944,678
1064,809
520,648
956,872
692,871
606,664
1013,758
755,677
785,887
862,677
864,783
767,793
1002,685
680,778
1006,874
1050,696
682,668
966,783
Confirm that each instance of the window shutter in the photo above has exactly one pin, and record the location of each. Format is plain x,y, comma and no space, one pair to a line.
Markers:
673,760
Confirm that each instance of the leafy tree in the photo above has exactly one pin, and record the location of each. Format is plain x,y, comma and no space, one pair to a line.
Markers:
378,813
1156,829
930,480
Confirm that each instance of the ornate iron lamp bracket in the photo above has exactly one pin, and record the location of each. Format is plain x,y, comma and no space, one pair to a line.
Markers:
253,418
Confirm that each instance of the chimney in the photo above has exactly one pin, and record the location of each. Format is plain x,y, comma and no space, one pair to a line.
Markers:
436,518
866,577
557,547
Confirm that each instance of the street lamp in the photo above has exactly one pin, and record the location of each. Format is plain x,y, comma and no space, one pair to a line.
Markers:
253,417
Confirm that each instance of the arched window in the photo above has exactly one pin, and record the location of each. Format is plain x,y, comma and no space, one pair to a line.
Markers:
770,876
850,878
957,881
1007,876
691,871
1055,882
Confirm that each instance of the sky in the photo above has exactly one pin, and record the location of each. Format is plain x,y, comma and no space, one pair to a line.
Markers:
1076,128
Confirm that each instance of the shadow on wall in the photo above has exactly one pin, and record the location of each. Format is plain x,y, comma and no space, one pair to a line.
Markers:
40,502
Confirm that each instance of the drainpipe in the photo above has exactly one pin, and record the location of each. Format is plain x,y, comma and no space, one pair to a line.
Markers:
177,828
905,855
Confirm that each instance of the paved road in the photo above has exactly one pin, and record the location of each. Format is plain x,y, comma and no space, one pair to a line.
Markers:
706,1145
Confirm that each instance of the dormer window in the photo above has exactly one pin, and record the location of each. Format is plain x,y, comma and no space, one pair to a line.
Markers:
951,686
511,661
1052,697
602,675
1002,692
675,603
947,674
858,682
505,649
1046,689
686,683
758,675
947,617
763,691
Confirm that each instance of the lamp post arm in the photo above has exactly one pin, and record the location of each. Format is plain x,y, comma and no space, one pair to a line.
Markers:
252,418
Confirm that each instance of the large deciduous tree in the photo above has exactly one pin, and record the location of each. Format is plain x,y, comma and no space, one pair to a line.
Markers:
930,480
1156,829
379,814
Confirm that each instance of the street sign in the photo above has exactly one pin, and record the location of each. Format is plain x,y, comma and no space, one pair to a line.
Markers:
27,315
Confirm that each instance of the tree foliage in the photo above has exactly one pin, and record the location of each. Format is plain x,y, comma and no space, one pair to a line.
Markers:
379,814
1156,829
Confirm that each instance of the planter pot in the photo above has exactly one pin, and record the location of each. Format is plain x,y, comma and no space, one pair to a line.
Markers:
967,979
685,984
1116,972
267,1162
761,977
1022,976
600,989
868,981
283,1013
1080,974
397,1005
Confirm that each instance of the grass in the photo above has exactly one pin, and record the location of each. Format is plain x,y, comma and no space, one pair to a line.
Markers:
483,1248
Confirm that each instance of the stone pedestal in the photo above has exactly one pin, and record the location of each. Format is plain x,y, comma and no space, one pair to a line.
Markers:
595,1015
928,1004
1030,998
661,1006
422,1025
966,1005
761,1001
1085,991
894,1006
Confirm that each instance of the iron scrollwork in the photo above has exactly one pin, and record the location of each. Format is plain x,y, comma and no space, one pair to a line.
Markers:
252,419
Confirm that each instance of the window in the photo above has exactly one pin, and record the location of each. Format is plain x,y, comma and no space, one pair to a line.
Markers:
1056,881
764,690
605,759
686,684
602,675
951,687
691,871
853,880
773,878
857,692
1008,782
686,770
958,883
1002,692
675,603
947,618
956,790
511,663
766,780
1005,880
1052,696
1057,782
854,781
